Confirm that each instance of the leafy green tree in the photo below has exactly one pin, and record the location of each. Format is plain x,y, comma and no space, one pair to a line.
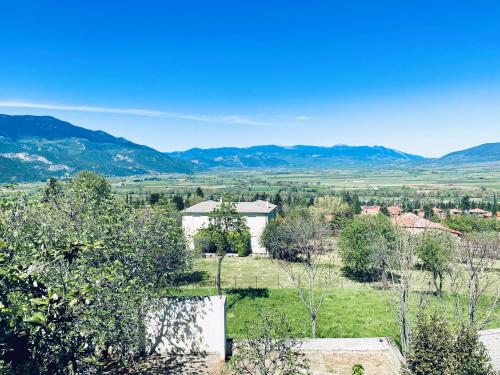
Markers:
465,203
78,271
437,250
224,228
278,201
199,192
470,223
333,210
366,245
179,202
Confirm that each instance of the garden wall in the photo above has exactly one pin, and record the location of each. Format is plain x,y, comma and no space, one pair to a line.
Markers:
189,325
378,356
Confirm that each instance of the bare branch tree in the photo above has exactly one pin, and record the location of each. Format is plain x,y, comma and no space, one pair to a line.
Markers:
478,252
306,239
402,276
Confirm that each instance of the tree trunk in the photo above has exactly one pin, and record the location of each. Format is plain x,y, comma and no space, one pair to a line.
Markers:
313,326
219,270
385,281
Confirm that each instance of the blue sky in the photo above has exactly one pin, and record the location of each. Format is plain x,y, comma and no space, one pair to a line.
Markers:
422,77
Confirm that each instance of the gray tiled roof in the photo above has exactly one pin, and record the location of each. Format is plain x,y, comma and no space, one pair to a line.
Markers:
257,207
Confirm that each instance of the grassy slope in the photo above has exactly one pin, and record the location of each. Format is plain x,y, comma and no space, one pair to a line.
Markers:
351,309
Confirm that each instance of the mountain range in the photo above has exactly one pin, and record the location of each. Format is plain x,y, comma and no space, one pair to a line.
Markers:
33,148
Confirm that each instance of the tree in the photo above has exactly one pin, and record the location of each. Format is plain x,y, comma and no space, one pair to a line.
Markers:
269,348
278,201
401,269
224,222
199,192
437,251
495,205
306,238
465,203
366,245
332,210
78,270
478,252
179,202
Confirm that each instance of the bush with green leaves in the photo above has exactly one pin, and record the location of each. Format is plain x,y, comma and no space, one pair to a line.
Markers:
78,272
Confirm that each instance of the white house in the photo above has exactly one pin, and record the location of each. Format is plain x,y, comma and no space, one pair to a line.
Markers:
256,214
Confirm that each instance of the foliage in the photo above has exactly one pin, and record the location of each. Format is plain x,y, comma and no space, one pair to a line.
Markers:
227,231
240,242
358,370
437,350
470,354
431,347
78,271
470,223
437,250
333,210
366,245
269,349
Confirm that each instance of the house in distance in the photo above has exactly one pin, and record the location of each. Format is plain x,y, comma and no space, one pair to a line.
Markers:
256,214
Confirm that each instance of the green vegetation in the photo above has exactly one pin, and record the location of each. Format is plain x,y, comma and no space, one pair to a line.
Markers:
351,308
436,350
78,272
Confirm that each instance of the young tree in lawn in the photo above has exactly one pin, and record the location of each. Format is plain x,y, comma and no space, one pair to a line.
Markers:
478,252
437,251
269,348
224,222
401,267
306,238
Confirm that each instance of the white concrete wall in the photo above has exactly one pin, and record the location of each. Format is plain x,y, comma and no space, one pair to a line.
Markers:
256,224
192,223
491,340
189,325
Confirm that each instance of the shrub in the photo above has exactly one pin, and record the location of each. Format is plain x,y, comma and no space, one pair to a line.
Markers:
431,347
435,350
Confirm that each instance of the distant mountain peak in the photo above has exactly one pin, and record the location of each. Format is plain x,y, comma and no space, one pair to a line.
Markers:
38,147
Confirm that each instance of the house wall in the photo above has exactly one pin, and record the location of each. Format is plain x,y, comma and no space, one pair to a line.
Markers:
189,325
256,223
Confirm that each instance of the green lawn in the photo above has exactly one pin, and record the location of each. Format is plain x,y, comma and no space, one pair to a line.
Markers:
351,309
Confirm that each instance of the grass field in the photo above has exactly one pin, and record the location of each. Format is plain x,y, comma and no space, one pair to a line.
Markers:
351,309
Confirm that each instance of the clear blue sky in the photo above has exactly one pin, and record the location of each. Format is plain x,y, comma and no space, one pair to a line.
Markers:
420,76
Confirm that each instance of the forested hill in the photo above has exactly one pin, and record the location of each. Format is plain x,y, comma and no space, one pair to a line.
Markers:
33,148
488,152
